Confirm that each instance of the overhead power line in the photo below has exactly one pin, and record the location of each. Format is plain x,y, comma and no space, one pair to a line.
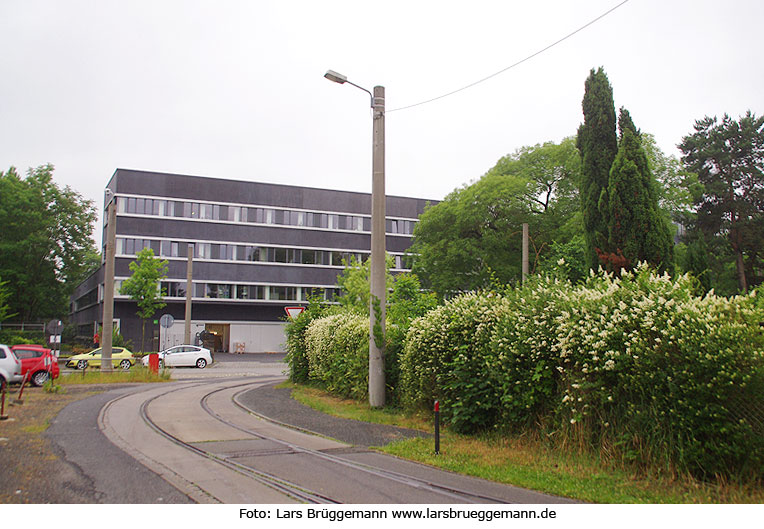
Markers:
518,63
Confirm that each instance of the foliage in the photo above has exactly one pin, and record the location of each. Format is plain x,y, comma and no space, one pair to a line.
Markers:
635,226
45,242
728,157
406,302
637,365
143,286
677,188
5,294
598,146
354,283
337,350
297,353
447,358
475,234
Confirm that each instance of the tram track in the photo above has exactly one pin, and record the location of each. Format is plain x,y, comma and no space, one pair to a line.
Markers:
229,412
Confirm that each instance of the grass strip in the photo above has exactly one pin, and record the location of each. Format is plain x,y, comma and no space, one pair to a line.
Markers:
531,463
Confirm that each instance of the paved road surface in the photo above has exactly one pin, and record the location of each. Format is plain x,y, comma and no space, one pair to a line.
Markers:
194,441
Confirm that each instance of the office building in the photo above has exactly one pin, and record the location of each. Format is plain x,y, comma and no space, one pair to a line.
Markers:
257,248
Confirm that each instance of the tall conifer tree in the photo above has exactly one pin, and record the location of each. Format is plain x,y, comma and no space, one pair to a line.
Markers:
598,145
636,229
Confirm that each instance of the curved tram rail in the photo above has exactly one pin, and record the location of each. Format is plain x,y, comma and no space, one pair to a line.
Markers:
297,492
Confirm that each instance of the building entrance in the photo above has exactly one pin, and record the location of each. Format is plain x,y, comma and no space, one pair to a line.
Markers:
218,337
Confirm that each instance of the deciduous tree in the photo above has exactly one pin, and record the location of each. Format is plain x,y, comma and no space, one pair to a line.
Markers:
46,247
143,286
474,235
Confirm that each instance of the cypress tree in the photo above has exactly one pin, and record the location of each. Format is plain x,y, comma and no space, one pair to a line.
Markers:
598,145
636,229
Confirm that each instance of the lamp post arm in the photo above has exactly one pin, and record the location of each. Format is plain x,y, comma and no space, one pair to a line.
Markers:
371,96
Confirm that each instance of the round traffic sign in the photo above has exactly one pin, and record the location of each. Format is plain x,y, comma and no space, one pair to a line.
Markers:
166,321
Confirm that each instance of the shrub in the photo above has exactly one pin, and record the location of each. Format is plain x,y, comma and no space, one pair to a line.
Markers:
524,340
447,358
337,351
296,356
635,365
663,375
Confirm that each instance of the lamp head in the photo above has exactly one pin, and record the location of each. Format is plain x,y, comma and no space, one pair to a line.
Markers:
335,77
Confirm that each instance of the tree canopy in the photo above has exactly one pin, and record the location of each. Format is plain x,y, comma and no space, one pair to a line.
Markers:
46,247
474,236
143,286
728,157
636,229
598,145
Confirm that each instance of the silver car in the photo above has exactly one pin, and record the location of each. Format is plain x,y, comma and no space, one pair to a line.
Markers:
183,355
10,367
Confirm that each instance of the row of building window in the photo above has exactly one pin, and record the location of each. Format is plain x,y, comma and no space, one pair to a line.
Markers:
284,217
250,253
177,289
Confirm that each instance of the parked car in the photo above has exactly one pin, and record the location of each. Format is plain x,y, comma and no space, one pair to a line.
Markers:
183,355
120,357
39,362
10,367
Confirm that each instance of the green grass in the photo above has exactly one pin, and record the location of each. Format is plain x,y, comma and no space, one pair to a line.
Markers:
532,463
135,374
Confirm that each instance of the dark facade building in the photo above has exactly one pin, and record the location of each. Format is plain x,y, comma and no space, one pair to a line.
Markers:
257,248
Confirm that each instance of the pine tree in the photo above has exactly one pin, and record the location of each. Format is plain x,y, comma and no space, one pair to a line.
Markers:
598,145
636,229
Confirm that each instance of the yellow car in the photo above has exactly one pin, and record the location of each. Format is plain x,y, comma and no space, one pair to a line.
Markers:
119,357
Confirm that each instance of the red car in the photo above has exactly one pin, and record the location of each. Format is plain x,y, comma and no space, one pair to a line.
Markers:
38,363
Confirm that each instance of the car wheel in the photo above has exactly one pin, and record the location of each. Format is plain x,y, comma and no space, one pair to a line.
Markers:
40,378
2,384
125,364
201,363
161,364
82,364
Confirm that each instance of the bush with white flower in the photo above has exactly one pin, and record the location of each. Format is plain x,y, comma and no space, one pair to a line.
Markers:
337,351
635,364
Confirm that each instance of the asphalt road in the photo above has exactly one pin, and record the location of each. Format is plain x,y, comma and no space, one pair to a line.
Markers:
113,442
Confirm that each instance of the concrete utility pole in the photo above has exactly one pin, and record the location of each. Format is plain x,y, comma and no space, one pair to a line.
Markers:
525,251
378,257
378,286
108,282
189,294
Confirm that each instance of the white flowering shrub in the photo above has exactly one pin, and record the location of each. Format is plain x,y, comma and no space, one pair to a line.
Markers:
447,358
665,376
636,364
527,351
337,351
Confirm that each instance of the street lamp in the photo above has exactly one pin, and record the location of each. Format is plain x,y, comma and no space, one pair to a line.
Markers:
378,257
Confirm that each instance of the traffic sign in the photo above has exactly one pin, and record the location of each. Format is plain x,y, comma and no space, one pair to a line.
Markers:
166,321
293,312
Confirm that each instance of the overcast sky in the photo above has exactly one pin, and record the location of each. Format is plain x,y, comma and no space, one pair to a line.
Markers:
235,89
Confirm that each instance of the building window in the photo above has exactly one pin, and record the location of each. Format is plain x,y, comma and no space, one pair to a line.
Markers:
283,293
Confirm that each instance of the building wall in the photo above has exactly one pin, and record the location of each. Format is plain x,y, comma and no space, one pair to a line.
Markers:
257,248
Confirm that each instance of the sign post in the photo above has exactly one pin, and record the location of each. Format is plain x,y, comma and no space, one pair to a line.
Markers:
166,321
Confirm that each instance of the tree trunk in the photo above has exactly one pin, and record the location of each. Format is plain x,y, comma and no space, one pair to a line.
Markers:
739,263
